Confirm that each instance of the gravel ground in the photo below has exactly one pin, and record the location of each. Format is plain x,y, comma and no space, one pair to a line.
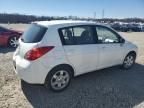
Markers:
108,88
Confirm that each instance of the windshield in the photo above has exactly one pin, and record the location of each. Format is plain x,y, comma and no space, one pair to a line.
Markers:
2,29
34,33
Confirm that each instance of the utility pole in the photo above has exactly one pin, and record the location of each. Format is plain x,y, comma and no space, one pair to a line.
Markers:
94,15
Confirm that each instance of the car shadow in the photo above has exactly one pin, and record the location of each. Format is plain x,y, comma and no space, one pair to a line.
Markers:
6,49
107,88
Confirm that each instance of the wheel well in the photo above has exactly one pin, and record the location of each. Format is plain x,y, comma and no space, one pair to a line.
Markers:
62,65
66,65
132,52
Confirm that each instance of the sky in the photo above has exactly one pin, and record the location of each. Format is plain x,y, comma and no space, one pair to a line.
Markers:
81,8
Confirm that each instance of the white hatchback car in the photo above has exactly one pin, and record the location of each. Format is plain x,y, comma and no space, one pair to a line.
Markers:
52,52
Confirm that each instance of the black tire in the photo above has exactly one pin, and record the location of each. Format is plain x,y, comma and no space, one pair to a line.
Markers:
13,41
129,61
52,77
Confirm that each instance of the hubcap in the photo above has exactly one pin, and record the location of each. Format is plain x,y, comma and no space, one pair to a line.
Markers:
129,61
60,80
13,42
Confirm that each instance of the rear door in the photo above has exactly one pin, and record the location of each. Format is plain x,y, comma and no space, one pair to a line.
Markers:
80,46
111,50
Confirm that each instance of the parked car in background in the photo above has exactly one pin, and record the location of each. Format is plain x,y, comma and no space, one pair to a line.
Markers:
135,27
9,37
116,26
52,52
124,27
142,27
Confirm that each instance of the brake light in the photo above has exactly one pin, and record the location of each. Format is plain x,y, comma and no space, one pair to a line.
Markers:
36,53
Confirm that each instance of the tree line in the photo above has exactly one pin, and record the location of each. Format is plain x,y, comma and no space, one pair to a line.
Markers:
20,18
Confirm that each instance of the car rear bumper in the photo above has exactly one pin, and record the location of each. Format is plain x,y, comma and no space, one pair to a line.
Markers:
31,72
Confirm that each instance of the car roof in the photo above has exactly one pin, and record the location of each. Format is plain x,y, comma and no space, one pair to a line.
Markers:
63,22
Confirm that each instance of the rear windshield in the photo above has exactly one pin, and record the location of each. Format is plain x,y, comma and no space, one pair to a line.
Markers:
34,33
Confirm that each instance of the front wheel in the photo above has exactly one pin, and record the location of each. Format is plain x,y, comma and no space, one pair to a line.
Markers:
129,61
58,79
13,42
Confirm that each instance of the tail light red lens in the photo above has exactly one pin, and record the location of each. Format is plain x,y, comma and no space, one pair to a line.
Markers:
36,53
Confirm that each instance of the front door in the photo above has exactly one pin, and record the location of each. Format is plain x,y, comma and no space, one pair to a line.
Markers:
111,50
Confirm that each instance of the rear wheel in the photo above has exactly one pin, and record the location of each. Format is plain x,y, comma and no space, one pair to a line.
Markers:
13,42
58,79
129,61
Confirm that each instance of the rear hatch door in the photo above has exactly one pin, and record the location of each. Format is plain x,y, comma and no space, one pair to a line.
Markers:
30,39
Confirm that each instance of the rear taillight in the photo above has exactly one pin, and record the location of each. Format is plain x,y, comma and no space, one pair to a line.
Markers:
36,53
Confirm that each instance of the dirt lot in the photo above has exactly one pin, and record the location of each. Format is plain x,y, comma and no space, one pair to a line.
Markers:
108,88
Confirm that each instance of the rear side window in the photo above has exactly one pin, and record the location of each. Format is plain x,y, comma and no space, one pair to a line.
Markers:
34,33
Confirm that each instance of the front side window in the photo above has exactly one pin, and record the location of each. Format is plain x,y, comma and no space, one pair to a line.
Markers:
106,35
78,35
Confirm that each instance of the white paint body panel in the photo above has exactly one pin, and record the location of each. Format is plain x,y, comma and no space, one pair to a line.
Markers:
83,57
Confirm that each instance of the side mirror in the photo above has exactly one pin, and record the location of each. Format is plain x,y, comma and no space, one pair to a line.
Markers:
122,40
